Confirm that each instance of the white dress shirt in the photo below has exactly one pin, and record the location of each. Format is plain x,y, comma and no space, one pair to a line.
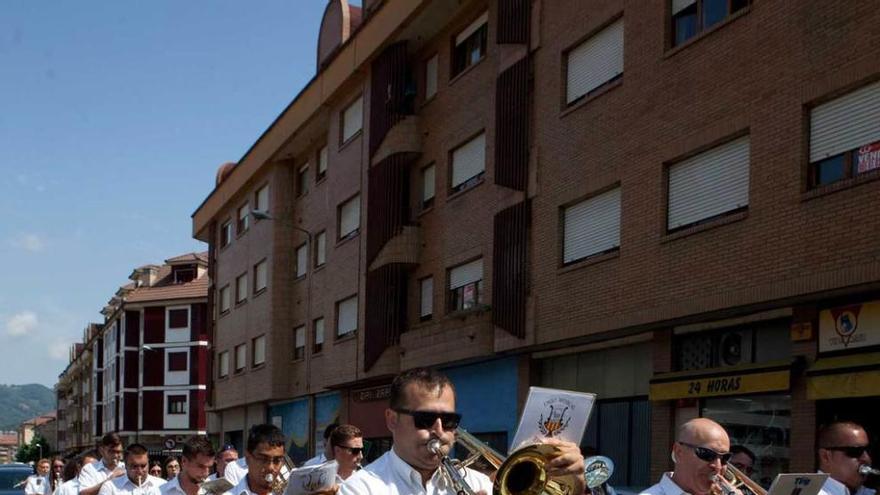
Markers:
391,475
36,485
241,488
68,488
665,487
834,487
94,473
124,486
172,487
314,461
236,471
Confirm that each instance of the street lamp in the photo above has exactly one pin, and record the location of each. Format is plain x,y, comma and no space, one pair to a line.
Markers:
41,450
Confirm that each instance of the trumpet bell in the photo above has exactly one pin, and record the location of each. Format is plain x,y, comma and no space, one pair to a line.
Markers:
525,473
598,469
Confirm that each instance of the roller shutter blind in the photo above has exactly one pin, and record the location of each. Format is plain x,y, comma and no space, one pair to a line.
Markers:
300,335
349,216
679,5
322,161
261,277
428,183
469,160
319,331
321,241
352,119
595,61
347,316
431,77
846,123
259,350
592,226
427,297
302,260
466,274
709,184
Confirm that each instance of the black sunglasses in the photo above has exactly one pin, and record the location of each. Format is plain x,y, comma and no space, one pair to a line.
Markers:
854,452
351,450
424,420
708,455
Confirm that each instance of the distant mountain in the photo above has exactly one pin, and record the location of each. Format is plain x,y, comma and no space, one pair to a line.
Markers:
21,402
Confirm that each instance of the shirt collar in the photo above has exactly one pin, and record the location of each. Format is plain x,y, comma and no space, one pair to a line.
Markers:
409,474
174,484
670,487
835,487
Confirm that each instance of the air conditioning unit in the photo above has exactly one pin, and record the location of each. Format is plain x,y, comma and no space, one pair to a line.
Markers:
734,347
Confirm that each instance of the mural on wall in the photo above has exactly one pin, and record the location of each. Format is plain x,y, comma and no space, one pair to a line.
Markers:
326,412
293,419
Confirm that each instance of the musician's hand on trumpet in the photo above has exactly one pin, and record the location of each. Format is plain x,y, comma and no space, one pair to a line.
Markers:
569,461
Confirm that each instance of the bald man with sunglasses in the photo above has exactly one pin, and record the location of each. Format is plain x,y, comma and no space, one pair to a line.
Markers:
843,449
422,408
700,453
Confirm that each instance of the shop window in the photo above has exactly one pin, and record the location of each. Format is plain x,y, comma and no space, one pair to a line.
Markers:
621,429
845,136
691,17
375,447
470,45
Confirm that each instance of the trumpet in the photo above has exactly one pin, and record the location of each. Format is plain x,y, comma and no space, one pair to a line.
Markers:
866,470
278,482
732,481
450,470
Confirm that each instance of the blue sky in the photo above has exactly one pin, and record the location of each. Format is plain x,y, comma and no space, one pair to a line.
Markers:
114,117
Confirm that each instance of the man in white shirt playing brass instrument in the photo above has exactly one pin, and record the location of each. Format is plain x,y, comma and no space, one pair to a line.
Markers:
195,466
422,408
843,449
137,480
265,458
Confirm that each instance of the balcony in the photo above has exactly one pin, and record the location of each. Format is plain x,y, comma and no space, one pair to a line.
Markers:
404,248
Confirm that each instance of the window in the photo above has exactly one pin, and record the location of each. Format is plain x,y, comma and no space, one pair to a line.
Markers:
177,361
223,365
299,342
349,218
321,248
595,62
352,119
302,260
431,77
322,164
690,17
225,299
176,404
261,200
302,180
319,335
241,288
469,163
178,318
426,304
470,45
713,183
259,345
591,227
346,316
261,276
225,233
184,275
845,136
465,285
243,219
240,357
428,187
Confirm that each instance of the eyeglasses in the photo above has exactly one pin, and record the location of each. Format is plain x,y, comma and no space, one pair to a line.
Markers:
708,455
424,420
264,459
855,451
351,450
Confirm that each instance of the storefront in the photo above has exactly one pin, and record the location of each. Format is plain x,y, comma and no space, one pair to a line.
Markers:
293,419
366,409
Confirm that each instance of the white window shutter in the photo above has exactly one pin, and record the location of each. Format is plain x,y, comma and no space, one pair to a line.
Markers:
302,260
240,356
322,160
427,300
709,184
350,216
595,61
592,226
352,119
262,276
469,160
321,242
845,123
466,274
260,349
300,334
319,331
263,199
679,5
224,363
428,183
431,77
347,316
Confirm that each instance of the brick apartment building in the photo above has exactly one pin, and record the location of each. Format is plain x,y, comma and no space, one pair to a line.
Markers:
666,203
147,376
74,395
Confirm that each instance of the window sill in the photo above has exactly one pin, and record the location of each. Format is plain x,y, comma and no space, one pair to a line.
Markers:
461,314
238,372
428,100
703,34
468,69
238,235
319,267
457,194
298,360
259,292
841,185
224,313
710,224
240,303
353,137
300,278
320,180
258,366
223,378
591,96
301,196
348,237
589,261
345,338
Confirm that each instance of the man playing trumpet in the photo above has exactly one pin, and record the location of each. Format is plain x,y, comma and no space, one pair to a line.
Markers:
843,451
136,481
265,457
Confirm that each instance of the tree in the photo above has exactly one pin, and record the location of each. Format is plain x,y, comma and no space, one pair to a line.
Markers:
32,451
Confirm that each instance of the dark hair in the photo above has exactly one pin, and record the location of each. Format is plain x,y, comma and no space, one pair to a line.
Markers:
89,453
169,459
329,430
344,433
742,449
135,449
265,433
71,469
426,378
111,440
198,445
155,464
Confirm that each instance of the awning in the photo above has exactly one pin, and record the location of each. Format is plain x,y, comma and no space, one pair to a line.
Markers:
717,382
855,375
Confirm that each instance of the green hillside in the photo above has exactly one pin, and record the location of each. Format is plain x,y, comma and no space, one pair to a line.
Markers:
21,402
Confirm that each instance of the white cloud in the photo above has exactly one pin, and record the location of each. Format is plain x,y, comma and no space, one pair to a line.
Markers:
21,323
31,243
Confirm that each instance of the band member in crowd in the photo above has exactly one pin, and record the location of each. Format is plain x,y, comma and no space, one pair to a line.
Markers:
137,481
264,455
172,467
195,466
156,469
700,451
843,448
38,482
93,475
327,452
422,408
226,455
71,471
743,459
347,443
